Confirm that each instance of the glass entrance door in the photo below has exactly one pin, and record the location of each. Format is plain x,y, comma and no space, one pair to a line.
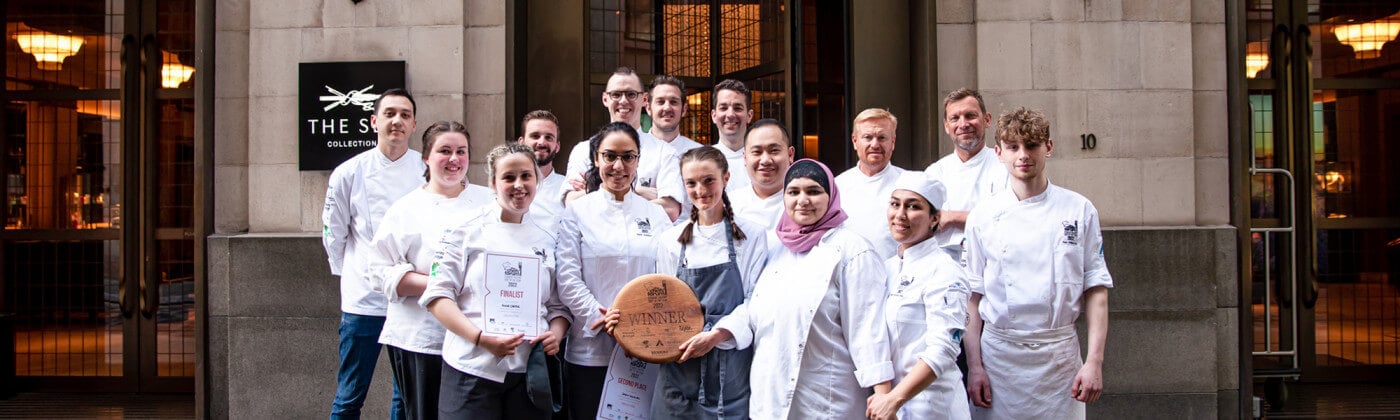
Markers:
1324,80
97,249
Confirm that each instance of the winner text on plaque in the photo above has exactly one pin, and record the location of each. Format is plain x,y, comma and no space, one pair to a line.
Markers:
512,301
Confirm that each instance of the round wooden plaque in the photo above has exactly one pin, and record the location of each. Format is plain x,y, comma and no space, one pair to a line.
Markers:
659,312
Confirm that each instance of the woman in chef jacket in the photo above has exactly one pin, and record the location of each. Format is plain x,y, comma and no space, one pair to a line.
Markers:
402,256
926,310
815,318
485,374
717,256
606,238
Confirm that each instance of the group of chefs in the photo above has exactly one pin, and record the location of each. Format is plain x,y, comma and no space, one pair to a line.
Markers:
851,295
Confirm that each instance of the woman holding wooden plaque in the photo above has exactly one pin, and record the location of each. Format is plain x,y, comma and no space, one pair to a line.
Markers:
715,256
492,287
402,254
606,238
926,310
815,318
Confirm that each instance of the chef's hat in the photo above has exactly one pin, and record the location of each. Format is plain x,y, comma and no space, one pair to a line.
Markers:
931,189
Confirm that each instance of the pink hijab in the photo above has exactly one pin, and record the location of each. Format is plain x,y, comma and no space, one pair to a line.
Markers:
798,238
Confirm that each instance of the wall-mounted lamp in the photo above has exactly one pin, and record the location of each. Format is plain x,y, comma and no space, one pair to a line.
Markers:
1256,58
1367,38
49,49
172,72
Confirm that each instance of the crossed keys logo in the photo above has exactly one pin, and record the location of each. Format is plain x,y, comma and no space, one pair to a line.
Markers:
360,97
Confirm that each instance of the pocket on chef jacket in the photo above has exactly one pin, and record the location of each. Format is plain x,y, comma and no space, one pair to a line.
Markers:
1069,264
909,311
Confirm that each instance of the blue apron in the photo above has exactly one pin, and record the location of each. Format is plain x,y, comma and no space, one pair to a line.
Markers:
717,384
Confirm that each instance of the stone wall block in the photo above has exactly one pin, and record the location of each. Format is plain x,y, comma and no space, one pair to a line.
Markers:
313,199
271,208
433,107
280,358
1067,10
483,12
1208,59
1176,347
1143,124
957,58
435,62
355,44
231,15
1103,10
1167,55
1227,285
231,76
1013,10
1111,56
483,74
216,295
1168,191
217,360
231,131
345,14
231,198
1210,116
1058,55
1212,191
1227,351
1156,11
485,114
270,73
1109,183
273,140
285,14
956,11
1172,406
1149,274
1003,55
288,268
1208,11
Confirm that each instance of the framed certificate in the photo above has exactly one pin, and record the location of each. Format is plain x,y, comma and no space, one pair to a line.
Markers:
512,301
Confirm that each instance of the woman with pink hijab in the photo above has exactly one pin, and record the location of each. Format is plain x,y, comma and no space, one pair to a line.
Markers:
815,318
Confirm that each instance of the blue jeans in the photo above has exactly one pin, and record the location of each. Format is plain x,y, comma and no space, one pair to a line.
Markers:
359,353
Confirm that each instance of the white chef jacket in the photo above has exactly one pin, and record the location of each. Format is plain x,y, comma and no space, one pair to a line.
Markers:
549,198
683,144
658,167
865,199
926,313
816,322
708,247
1033,259
460,275
603,244
967,183
406,241
738,171
358,193
766,212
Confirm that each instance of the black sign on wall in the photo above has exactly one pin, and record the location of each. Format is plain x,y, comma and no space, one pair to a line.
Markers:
335,103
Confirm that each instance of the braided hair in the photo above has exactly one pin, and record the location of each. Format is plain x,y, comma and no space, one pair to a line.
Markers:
710,154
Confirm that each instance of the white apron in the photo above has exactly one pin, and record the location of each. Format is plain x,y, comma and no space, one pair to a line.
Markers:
1031,373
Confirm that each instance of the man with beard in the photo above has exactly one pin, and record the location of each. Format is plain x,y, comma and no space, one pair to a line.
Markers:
731,115
867,186
540,131
658,168
667,108
971,173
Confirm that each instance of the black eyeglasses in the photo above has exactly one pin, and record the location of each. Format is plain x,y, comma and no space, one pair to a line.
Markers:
611,157
618,94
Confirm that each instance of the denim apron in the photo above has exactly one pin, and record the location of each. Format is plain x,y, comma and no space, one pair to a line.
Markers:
717,384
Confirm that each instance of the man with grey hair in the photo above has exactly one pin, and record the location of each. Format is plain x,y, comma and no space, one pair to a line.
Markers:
970,173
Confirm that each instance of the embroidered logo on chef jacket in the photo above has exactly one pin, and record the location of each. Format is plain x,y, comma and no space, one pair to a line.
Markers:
643,226
903,282
540,252
1071,233
432,271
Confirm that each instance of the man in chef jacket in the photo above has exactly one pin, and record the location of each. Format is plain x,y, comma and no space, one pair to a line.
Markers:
1035,262
358,193
731,114
539,130
971,173
866,188
658,168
